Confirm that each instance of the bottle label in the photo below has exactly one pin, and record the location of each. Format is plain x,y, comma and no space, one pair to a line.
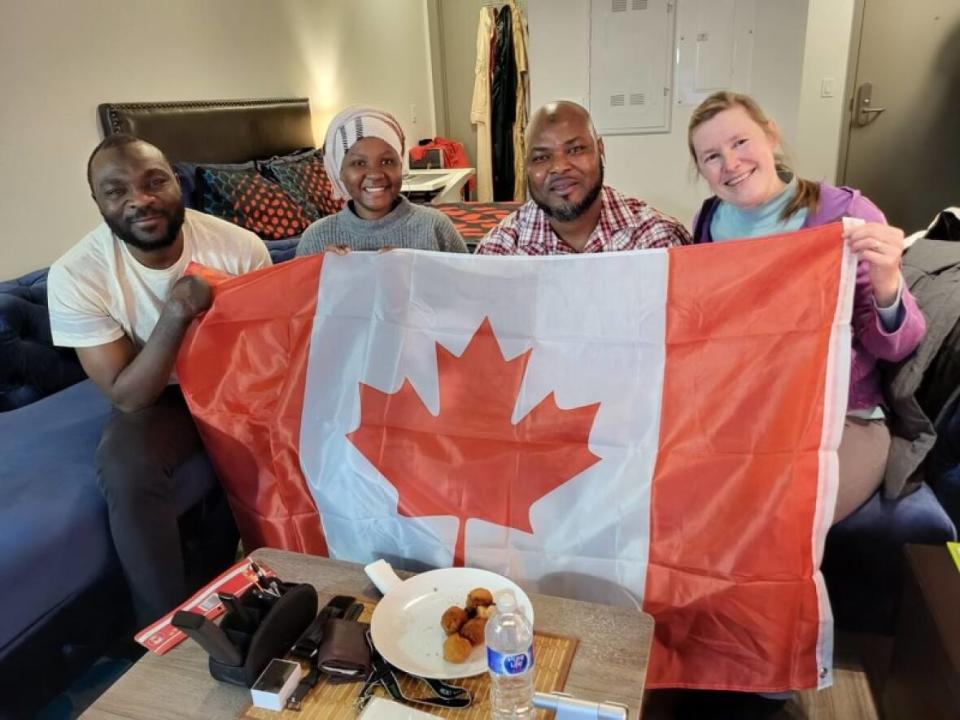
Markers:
505,664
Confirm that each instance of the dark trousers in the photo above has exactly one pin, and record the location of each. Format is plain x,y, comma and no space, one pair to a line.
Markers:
137,459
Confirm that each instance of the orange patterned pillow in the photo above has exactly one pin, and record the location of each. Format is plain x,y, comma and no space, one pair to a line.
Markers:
241,195
303,177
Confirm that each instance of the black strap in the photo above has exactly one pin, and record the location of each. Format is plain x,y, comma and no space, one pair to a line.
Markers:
389,682
383,673
309,641
706,215
306,684
446,690
353,611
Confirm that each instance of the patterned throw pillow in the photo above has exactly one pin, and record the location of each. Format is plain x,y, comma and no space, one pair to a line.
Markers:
304,178
241,195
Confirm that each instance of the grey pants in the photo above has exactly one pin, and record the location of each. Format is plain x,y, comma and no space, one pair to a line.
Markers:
863,457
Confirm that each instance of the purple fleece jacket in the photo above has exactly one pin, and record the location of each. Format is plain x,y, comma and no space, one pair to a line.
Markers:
870,341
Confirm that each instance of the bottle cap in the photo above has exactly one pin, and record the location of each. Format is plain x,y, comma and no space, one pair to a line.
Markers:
506,601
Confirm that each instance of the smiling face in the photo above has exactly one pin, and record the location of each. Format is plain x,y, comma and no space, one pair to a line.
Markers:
564,162
372,173
736,156
138,195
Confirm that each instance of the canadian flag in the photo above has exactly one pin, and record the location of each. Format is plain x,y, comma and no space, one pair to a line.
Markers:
664,422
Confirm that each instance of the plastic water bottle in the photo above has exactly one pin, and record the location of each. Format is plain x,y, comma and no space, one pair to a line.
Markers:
509,638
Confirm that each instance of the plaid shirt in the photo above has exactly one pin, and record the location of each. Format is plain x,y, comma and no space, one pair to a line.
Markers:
625,224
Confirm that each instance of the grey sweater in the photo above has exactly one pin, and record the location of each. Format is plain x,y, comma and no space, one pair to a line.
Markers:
406,226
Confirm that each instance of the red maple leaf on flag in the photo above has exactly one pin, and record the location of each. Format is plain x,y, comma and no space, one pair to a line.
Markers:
471,460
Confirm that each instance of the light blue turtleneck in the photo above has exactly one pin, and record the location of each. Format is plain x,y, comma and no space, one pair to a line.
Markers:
730,222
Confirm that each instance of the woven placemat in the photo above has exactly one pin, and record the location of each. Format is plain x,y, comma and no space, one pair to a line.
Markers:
553,655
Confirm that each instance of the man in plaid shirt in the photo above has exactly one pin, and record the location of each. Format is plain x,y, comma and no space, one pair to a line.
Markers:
571,210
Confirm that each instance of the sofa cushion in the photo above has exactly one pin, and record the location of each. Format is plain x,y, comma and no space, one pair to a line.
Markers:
55,537
304,178
30,366
241,195
282,250
32,286
863,559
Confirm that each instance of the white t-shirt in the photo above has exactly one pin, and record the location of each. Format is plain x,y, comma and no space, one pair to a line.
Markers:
98,292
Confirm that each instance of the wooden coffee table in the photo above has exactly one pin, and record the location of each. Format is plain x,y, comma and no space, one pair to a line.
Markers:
610,661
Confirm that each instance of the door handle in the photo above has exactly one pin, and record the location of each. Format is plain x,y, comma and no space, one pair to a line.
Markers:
864,113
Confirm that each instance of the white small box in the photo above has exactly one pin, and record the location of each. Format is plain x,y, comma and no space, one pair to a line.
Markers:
275,684
378,708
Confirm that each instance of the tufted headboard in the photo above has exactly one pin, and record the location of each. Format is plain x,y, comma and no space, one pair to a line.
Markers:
215,131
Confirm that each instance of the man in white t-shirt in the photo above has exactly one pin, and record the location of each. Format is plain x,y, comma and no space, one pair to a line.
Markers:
121,299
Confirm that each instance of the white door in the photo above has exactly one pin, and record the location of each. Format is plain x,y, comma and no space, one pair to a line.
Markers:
903,147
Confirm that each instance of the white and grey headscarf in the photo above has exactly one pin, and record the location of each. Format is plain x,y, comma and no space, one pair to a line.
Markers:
351,125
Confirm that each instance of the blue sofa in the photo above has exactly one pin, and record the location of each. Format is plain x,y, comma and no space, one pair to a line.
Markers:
944,465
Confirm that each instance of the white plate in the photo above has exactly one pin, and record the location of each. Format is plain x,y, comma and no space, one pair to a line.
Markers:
405,626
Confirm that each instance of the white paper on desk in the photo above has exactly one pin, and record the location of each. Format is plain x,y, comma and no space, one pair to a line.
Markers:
382,709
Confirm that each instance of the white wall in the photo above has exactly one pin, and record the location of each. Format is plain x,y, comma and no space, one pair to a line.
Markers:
653,167
820,120
779,35
796,43
58,60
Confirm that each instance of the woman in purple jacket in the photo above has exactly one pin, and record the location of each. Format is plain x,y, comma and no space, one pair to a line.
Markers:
734,145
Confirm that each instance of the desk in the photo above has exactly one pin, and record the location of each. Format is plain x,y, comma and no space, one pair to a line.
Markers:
446,183
610,662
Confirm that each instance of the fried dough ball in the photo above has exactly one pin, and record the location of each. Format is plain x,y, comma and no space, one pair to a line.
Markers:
472,630
479,597
453,618
456,649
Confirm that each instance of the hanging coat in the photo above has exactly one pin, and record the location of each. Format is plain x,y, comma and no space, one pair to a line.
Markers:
523,93
480,106
503,111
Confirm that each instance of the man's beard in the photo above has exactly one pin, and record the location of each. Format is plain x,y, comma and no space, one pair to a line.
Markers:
568,212
124,230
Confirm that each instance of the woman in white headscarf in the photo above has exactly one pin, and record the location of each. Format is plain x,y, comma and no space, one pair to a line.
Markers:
363,155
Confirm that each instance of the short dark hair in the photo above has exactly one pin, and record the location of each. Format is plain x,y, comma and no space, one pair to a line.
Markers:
109,142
